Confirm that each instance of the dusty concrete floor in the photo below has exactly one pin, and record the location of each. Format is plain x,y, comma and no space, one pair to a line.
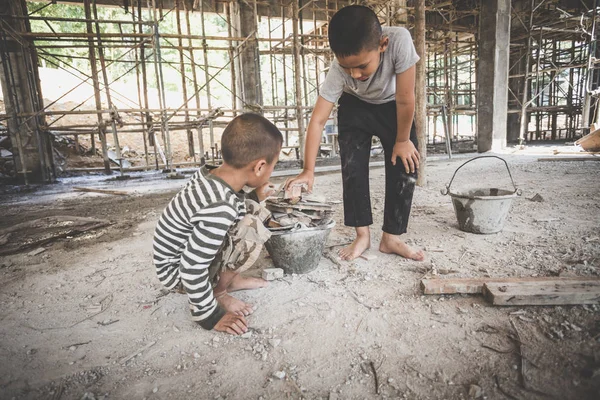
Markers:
55,342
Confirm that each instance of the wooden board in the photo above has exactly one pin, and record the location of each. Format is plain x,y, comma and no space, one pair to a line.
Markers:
542,293
577,153
475,285
104,191
560,158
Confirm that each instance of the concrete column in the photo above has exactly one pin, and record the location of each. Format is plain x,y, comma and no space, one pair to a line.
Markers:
19,77
249,61
492,74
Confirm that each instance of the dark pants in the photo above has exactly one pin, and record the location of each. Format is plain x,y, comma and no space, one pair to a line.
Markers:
358,121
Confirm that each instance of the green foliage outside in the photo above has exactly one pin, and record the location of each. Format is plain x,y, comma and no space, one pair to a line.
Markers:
73,56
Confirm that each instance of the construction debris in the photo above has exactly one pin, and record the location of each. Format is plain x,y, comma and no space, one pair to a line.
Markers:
543,292
291,210
591,141
582,158
521,291
271,274
36,251
279,374
537,198
368,256
37,232
125,360
103,191
475,285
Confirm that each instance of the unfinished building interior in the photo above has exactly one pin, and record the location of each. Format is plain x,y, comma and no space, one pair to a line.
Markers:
108,107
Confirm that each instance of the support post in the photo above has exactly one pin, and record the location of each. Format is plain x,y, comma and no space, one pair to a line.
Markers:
421,90
138,82
190,135
525,94
297,77
113,121
589,75
249,61
19,78
96,85
195,82
492,74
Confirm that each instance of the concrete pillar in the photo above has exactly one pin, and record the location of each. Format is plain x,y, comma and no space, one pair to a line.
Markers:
492,74
19,77
248,63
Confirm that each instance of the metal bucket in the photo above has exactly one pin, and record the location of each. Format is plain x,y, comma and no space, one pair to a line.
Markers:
298,251
482,210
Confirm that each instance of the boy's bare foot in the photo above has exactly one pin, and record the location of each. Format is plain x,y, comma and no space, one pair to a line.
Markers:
361,244
233,305
245,283
391,244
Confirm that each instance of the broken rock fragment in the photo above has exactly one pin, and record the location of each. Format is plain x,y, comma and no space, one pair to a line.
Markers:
270,274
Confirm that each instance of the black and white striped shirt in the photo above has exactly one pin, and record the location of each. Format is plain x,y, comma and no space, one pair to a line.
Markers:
189,235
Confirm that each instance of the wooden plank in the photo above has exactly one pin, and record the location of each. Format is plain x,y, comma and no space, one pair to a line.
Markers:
475,285
584,158
580,153
103,191
542,293
590,153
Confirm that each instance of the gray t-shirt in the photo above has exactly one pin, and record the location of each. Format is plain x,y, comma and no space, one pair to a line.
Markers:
381,87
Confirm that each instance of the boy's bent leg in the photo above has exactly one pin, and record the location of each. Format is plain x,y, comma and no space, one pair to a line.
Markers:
226,301
355,150
399,189
240,251
399,192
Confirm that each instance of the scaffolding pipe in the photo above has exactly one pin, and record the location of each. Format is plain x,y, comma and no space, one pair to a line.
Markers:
107,88
139,89
585,118
298,83
523,121
421,90
190,135
96,86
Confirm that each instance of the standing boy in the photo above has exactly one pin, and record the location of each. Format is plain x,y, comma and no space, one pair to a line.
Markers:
373,77
210,230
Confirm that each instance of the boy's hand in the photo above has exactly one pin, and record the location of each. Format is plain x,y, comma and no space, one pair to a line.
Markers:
408,154
305,176
264,191
232,323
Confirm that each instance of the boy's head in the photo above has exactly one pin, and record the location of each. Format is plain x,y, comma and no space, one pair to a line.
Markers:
252,142
355,37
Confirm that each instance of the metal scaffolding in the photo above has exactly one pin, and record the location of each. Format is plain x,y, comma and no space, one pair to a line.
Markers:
554,68
194,65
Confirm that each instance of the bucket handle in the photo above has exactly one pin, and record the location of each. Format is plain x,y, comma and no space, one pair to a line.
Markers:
446,190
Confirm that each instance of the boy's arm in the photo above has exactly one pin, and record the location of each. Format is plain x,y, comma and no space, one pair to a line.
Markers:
405,110
211,225
317,122
261,193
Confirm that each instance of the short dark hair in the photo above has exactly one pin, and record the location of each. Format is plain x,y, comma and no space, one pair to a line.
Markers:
249,137
353,29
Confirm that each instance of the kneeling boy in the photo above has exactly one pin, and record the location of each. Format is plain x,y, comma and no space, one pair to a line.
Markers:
208,232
